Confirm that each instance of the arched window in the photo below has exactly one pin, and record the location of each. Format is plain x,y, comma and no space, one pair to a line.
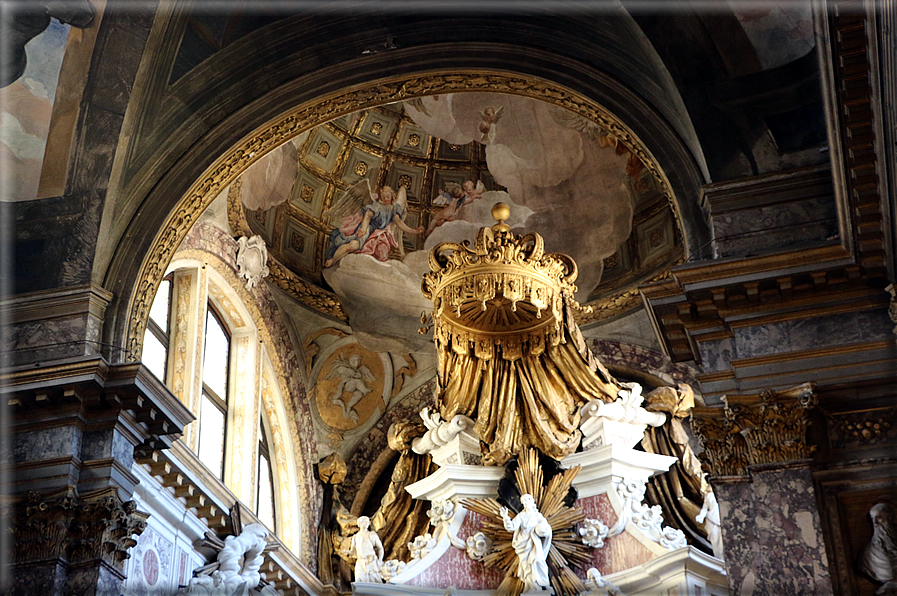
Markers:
213,406
156,340
206,341
264,492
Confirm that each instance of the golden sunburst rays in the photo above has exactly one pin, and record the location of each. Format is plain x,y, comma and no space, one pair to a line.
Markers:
567,549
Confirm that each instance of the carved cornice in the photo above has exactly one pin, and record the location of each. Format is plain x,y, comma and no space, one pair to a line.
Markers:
76,528
749,430
131,388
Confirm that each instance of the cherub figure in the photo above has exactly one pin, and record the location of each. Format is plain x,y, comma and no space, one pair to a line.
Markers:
368,219
488,117
353,376
454,197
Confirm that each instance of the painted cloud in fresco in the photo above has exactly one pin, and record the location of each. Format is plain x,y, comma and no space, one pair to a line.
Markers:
566,180
27,105
572,185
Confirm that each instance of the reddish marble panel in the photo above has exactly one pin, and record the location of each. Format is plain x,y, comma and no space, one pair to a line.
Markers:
456,569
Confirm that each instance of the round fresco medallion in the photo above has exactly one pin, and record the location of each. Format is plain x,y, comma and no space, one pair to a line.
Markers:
350,387
150,567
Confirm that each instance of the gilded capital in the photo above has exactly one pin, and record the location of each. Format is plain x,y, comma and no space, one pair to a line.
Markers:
749,430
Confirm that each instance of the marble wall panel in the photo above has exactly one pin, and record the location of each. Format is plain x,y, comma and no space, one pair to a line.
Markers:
716,354
42,341
772,534
55,241
456,569
807,334
619,354
754,231
46,443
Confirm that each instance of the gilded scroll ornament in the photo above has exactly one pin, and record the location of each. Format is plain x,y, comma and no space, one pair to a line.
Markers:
750,430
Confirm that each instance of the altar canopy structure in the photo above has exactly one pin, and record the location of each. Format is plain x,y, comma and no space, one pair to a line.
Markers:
510,354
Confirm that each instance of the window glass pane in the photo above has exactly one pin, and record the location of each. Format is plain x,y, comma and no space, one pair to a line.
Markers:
214,368
265,502
154,355
159,310
211,436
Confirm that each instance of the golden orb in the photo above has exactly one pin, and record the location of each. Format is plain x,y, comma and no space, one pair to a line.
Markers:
501,212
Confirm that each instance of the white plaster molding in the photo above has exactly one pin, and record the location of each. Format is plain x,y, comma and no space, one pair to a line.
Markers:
599,586
391,569
680,571
441,514
458,482
593,532
604,465
252,260
648,520
621,422
421,545
478,546
448,441
155,499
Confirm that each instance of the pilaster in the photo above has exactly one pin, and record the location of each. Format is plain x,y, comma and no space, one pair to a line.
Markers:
74,429
756,454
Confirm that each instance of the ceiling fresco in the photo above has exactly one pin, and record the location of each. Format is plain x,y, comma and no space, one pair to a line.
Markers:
354,206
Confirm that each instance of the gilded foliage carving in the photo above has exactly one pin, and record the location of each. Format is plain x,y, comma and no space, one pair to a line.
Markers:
753,430
100,526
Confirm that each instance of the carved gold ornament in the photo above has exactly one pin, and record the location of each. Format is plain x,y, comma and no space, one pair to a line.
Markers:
750,430
504,298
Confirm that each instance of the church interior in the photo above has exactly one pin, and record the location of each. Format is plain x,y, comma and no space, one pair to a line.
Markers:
452,298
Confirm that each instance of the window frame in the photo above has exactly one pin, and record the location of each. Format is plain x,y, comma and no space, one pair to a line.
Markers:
206,392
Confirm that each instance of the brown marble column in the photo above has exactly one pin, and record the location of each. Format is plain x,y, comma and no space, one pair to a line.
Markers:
74,429
757,457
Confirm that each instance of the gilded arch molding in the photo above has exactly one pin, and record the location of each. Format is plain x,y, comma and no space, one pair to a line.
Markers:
252,147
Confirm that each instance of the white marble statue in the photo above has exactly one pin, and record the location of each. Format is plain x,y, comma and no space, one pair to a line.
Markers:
368,552
239,562
879,559
531,542
709,516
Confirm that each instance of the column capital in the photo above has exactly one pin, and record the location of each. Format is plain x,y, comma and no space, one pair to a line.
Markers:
762,429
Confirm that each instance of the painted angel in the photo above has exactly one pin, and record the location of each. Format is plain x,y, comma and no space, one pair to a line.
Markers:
372,223
354,377
454,197
488,117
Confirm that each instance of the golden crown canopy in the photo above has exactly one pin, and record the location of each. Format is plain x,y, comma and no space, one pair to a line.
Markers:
505,297
511,357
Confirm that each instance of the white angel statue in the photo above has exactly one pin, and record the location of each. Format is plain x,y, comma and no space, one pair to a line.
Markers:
367,220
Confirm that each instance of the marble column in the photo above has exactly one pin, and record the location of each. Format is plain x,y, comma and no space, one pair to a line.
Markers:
758,461
74,429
